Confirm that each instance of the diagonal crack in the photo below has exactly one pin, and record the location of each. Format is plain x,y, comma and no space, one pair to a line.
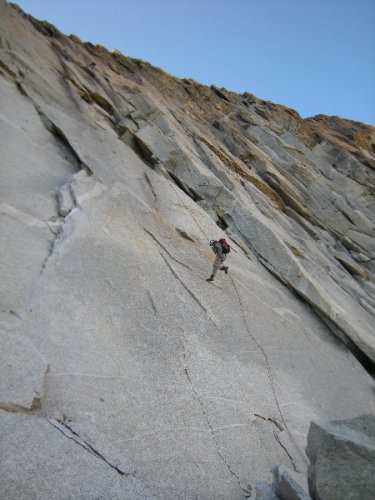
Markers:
52,249
151,187
208,313
183,284
277,437
85,445
270,419
152,301
165,249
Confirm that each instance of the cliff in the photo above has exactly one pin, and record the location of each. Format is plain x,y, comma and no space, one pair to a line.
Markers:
124,373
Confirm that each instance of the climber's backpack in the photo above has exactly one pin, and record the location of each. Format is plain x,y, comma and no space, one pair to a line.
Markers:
225,247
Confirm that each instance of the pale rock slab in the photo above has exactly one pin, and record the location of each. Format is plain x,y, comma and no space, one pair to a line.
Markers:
23,370
164,375
54,451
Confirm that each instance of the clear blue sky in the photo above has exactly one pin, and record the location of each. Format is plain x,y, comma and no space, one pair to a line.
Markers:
316,56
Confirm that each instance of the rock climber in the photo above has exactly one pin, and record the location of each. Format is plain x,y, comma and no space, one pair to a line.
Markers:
221,249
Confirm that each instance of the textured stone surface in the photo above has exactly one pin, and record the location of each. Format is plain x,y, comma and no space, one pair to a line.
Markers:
61,464
342,455
263,491
22,371
286,488
112,186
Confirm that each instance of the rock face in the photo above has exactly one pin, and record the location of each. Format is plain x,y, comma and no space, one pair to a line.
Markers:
125,374
342,455
286,488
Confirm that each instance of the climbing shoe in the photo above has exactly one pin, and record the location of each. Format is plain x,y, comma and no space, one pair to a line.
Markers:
224,268
211,278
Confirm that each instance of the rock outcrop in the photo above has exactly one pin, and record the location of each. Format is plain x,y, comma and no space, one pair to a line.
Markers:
342,455
342,464
125,374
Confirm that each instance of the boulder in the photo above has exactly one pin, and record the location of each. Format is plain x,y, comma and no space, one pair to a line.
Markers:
287,488
342,456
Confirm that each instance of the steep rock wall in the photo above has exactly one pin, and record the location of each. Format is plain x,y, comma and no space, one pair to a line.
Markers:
122,367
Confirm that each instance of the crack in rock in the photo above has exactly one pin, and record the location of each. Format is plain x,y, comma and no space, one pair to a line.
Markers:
59,135
334,327
53,246
184,285
65,430
212,430
152,301
270,419
66,200
277,437
152,189
184,235
166,250
207,312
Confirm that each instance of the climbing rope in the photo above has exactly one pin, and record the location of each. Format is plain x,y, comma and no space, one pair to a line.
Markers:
269,372
266,359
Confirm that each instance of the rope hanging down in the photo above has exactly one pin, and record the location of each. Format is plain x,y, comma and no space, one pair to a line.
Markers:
269,371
